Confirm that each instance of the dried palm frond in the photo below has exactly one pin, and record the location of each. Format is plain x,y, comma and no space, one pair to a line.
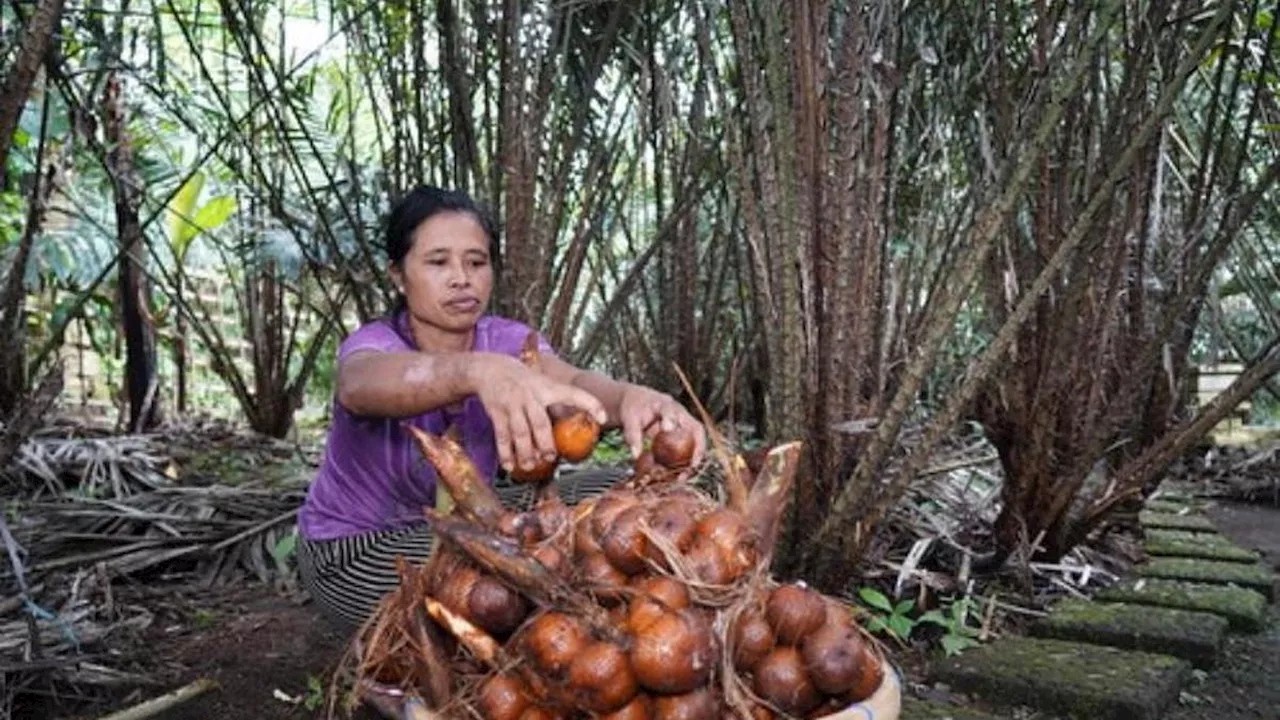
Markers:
58,637
219,534
77,624
928,548
111,467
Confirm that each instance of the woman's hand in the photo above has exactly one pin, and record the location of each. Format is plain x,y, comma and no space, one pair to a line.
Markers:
518,400
644,412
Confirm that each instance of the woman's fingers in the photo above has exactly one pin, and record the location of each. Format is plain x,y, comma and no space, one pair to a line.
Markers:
679,417
519,402
561,394
531,433
633,434
522,438
668,415
640,422
544,441
502,437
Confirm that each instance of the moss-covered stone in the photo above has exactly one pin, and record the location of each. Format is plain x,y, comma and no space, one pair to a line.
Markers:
913,709
1169,521
1255,577
1188,535
1172,507
1242,608
1176,492
1195,636
1196,545
1073,679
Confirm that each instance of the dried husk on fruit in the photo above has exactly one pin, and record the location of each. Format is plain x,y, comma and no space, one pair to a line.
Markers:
650,601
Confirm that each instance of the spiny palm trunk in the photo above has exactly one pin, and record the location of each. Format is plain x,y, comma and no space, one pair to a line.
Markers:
271,411
180,360
1102,357
135,314
36,39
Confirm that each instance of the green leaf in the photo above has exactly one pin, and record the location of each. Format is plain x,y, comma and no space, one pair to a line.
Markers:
181,208
186,223
955,644
285,546
315,693
875,599
904,607
215,212
901,626
876,624
935,617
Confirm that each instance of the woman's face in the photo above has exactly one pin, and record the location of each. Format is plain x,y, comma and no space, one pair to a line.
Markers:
446,277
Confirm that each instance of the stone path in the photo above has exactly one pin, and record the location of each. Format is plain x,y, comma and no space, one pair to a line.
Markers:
1242,608
1196,636
1130,652
1178,543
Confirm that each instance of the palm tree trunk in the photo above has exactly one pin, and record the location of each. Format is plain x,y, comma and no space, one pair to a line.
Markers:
36,40
180,350
135,294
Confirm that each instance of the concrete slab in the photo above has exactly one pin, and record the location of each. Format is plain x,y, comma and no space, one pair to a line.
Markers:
1243,608
1168,521
1189,535
913,709
1172,543
1254,577
1174,494
1172,507
1194,636
1073,679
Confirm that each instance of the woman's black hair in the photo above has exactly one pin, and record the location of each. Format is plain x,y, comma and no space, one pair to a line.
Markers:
421,204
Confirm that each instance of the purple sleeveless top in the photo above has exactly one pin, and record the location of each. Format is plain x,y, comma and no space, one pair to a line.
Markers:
373,476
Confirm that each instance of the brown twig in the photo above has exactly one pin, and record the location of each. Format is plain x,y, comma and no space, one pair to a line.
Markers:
734,485
155,706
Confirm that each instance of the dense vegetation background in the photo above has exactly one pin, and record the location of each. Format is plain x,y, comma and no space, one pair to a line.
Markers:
874,226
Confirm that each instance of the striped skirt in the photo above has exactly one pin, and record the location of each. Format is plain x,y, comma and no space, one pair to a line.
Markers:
348,577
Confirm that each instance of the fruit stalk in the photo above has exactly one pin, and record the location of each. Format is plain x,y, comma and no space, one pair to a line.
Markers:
460,478
771,493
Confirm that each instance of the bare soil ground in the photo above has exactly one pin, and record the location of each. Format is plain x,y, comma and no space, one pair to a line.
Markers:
1250,525
252,641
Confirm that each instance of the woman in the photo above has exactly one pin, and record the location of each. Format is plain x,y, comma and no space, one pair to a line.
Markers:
439,361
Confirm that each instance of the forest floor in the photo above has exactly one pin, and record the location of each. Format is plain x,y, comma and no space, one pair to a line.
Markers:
272,655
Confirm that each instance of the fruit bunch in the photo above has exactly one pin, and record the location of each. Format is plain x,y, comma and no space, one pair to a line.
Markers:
652,600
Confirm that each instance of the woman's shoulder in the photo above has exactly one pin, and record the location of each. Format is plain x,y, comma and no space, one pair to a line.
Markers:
377,334
507,335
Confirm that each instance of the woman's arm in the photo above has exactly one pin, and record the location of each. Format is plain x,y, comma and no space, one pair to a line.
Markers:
517,399
403,384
